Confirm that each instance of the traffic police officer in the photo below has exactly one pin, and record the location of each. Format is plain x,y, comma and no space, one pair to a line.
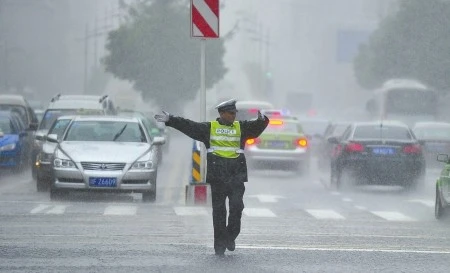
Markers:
224,139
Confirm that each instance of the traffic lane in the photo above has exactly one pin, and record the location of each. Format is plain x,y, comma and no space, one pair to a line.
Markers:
141,254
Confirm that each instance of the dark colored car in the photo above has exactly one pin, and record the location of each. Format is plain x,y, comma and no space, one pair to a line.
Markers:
43,164
436,139
14,143
377,153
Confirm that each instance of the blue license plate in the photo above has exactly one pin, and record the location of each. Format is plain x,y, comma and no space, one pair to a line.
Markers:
383,151
102,182
276,144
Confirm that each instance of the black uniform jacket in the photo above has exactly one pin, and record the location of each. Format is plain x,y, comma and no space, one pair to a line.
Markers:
219,169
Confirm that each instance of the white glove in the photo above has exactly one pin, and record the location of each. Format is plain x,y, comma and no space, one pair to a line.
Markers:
260,116
164,117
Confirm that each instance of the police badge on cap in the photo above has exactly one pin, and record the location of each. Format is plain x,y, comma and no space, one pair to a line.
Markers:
227,106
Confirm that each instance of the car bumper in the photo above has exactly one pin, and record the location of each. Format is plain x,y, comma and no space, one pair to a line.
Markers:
131,181
381,169
9,158
270,155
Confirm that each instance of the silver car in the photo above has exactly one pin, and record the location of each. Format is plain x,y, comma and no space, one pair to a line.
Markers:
105,154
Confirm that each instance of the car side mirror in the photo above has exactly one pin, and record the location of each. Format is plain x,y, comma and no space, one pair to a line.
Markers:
159,140
154,132
52,138
333,140
33,126
442,158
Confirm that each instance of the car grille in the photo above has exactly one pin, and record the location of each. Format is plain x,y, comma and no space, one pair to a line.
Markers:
92,166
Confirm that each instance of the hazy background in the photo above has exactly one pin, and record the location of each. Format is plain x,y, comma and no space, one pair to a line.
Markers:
55,46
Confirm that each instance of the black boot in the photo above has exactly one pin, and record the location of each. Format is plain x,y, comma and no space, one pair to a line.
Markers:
231,246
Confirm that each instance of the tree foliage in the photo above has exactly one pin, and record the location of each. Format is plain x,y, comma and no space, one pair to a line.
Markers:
412,43
153,49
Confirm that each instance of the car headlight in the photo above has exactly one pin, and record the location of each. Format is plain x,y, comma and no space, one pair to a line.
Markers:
143,165
62,161
45,157
144,162
8,147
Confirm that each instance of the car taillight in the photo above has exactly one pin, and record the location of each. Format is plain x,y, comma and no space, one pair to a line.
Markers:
301,142
354,147
412,149
253,141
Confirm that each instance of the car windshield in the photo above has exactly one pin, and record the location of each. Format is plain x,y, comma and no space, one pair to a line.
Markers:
5,126
119,131
384,131
52,114
433,133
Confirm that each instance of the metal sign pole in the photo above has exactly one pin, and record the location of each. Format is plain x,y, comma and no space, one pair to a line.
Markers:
203,104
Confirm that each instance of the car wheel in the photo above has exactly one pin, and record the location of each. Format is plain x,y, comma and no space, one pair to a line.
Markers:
439,210
41,184
149,196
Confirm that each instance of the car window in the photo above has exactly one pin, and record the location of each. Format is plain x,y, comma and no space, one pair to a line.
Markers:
105,131
52,114
59,126
19,110
6,126
384,131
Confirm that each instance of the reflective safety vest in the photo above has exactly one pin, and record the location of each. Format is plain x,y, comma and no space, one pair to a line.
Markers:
225,141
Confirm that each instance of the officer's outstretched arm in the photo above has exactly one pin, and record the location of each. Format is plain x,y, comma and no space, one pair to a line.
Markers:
254,128
195,130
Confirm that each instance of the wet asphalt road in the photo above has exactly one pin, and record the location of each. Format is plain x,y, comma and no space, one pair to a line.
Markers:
291,223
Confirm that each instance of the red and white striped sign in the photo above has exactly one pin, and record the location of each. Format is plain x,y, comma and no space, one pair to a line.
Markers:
205,18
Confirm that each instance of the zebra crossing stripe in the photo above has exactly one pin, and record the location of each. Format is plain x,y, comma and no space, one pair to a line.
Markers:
39,208
58,209
190,211
324,214
120,210
392,216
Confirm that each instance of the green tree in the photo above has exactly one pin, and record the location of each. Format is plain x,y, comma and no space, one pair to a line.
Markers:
412,43
153,50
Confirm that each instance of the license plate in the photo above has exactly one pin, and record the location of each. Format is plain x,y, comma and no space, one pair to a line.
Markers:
276,144
383,151
102,181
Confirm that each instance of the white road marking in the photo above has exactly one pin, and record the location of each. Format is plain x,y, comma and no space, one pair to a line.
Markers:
267,198
58,209
120,210
392,216
259,212
39,208
360,207
343,249
347,200
190,211
428,203
324,214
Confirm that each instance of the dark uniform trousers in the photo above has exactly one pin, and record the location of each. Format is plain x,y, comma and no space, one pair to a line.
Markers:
224,233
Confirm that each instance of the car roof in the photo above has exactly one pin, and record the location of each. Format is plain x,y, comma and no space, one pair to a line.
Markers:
75,104
80,97
13,99
107,118
384,122
433,124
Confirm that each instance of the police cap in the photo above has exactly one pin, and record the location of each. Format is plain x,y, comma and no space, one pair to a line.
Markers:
227,106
